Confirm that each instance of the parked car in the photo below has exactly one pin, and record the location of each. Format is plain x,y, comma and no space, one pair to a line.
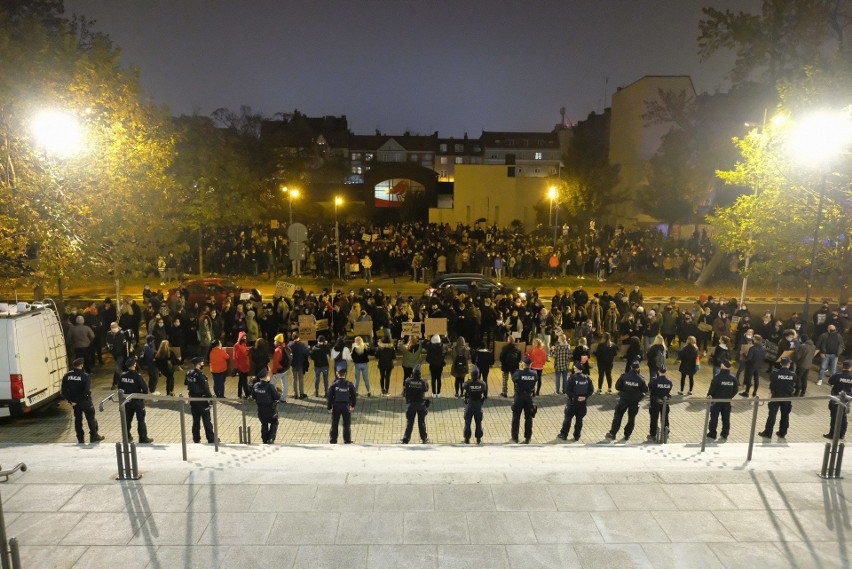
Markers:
213,290
462,282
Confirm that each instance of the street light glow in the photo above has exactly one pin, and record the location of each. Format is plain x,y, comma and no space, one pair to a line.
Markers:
551,193
338,200
820,137
58,132
294,193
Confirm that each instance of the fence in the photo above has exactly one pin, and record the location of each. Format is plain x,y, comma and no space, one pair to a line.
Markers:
831,468
10,557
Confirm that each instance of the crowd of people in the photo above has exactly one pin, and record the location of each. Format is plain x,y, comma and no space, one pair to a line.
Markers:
421,250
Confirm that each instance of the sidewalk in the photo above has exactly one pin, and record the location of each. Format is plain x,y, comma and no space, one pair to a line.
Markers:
427,506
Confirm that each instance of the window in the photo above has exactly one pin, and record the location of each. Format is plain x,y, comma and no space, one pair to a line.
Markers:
413,157
357,170
368,156
459,160
443,159
459,147
356,156
538,155
443,173
443,148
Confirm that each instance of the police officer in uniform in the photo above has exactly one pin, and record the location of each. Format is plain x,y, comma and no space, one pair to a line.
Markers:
266,396
840,382
77,390
578,387
475,393
723,386
631,389
131,382
341,402
197,386
525,381
782,383
414,388
659,390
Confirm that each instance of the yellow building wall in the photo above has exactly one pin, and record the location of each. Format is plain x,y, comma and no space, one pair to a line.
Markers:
487,191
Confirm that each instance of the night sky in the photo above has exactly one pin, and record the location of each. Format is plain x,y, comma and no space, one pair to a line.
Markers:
454,66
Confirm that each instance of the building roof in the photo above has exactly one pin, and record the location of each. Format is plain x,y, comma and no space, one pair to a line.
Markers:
411,143
502,139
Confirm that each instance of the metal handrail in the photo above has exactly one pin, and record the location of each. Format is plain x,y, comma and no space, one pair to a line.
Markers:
9,548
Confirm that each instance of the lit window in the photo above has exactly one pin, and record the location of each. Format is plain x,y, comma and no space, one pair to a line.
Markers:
443,159
356,156
459,160
356,170
538,155
443,173
368,156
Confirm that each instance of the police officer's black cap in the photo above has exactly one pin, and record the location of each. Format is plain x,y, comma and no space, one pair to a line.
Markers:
149,337
527,360
636,364
578,365
78,362
129,362
847,364
785,361
725,364
262,373
197,360
662,368
475,373
340,367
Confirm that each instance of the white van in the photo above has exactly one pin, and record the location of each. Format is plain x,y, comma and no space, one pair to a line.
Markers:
33,357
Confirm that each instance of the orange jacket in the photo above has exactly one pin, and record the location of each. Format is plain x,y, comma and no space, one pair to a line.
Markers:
538,357
219,360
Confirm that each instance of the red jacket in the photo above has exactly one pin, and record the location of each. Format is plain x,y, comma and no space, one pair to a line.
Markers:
241,355
280,362
219,360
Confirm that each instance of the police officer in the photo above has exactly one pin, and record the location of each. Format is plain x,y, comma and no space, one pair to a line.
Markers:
266,396
631,389
578,387
475,393
341,402
414,388
131,382
525,381
782,383
723,386
659,390
77,390
840,382
197,386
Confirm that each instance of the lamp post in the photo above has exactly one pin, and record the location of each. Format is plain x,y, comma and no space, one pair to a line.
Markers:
60,135
292,193
552,193
337,202
817,140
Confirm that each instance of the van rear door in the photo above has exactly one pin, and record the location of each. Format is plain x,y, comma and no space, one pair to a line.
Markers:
32,356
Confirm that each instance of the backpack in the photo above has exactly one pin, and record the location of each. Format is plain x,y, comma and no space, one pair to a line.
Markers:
460,366
660,359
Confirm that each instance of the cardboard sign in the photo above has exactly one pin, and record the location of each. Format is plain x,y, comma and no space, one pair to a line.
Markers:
273,224
307,332
786,354
245,295
436,326
411,329
322,324
284,289
735,320
364,328
498,347
366,237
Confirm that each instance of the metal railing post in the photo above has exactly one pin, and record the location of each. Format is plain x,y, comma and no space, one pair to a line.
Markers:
756,405
839,460
4,552
823,473
706,426
662,436
119,460
215,426
183,426
244,433
134,463
16,554
125,433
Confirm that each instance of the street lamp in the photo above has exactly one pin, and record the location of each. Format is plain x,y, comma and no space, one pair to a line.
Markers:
817,140
292,193
338,201
553,193
58,132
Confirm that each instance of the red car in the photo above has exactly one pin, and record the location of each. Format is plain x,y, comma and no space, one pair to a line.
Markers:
214,291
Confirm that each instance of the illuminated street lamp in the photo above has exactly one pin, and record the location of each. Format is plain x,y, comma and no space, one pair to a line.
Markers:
292,193
338,201
553,193
59,133
817,140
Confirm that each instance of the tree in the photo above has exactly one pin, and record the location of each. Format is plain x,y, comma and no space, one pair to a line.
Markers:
800,49
74,215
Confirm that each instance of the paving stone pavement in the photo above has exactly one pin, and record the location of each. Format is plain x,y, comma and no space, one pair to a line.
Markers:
316,506
379,420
